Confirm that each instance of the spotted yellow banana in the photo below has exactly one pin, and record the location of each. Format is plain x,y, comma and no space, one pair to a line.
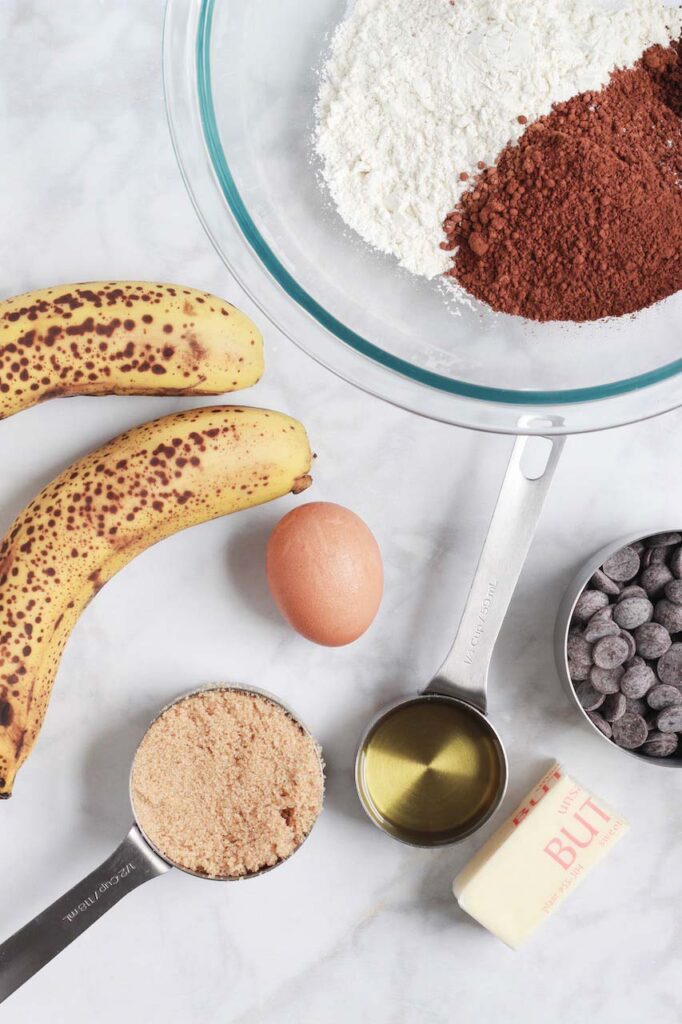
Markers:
106,508
123,338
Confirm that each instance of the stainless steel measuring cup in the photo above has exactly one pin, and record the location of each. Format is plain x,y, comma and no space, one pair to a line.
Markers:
563,624
134,862
432,769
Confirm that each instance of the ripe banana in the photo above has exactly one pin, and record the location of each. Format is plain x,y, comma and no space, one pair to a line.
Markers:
108,507
123,338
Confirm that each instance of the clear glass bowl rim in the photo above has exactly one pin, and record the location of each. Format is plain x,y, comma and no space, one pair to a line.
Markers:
530,405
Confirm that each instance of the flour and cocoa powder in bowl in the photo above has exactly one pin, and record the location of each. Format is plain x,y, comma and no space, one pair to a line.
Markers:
529,152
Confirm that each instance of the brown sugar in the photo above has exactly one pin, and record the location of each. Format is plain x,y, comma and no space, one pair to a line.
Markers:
226,783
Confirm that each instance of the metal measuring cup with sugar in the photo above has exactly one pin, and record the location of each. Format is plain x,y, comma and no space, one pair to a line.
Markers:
134,862
431,770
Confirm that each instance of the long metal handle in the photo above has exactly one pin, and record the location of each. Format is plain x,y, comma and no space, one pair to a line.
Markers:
38,942
464,673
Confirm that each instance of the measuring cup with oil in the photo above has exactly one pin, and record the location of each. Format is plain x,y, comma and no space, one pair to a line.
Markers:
431,770
135,861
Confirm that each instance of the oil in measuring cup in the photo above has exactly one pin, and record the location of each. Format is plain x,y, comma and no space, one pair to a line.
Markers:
430,771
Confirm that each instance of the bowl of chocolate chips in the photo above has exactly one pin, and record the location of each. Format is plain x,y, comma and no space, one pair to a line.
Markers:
619,645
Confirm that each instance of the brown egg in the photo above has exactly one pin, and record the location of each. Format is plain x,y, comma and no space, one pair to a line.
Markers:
325,573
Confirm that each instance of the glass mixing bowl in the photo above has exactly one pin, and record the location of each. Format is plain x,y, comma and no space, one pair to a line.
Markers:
241,81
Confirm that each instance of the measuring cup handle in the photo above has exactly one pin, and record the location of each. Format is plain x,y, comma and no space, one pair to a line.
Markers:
38,942
464,673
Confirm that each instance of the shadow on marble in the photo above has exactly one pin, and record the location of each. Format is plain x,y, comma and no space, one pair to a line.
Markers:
106,771
435,893
341,797
339,747
246,564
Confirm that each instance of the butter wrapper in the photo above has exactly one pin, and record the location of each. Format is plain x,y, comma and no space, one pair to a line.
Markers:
530,865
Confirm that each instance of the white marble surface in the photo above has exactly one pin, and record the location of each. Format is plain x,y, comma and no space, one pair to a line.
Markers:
355,927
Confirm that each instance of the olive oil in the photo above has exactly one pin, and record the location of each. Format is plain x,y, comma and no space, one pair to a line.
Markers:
430,771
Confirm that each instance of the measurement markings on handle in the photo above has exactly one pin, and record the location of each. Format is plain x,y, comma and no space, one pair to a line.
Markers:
479,629
101,889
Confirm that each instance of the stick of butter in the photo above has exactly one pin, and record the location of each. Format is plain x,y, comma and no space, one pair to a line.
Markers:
545,849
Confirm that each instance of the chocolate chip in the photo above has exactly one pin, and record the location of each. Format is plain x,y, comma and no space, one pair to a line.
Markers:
669,615
637,705
600,581
599,630
673,591
676,563
630,641
589,602
630,731
663,540
579,650
600,723
654,579
637,679
606,680
614,707
660,744
600,625
610,652
650,719
578,672
624,647
663,695
669,668
633,590
670,719
590,699
622,565
652,640
633,612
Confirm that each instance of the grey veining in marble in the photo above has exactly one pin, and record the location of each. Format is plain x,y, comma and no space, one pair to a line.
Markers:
355,927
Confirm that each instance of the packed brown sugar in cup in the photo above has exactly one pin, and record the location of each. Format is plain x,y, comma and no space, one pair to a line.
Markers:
225,783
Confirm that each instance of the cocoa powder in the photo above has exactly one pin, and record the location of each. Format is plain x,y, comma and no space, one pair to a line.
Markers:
582,219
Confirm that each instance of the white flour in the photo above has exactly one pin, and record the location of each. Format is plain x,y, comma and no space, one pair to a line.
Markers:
416,92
